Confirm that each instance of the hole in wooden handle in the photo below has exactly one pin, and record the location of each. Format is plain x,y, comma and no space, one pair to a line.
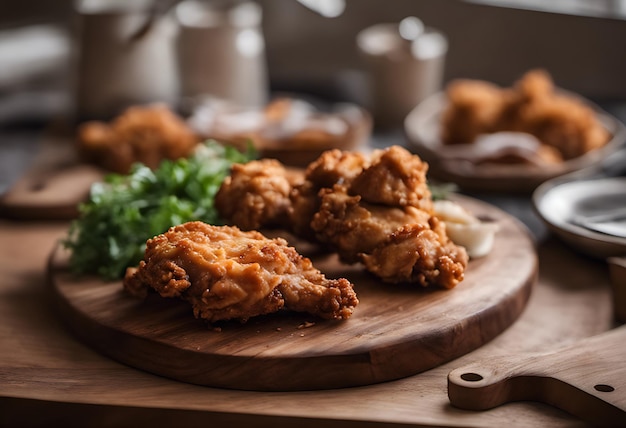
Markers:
604,388
471,377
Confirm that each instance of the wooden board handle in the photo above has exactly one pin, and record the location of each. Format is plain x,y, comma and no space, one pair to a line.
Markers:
51,193
586,379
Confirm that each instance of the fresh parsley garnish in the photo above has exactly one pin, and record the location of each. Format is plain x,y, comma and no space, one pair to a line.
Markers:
124,211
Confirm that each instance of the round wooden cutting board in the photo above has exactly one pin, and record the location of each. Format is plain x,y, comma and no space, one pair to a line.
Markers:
395,331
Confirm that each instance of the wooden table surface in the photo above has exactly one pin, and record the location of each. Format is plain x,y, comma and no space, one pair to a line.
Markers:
47,376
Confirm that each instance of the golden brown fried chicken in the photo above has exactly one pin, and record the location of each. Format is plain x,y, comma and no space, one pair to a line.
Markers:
395,177
397,244
353,227
359,207
563,123
304,204
146,134
533,105
535,85
560,121
335,166
226,273
384,218
416,253
332,167
256,194
474,107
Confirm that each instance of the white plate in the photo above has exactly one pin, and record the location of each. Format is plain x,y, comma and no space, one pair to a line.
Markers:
562,204
422,127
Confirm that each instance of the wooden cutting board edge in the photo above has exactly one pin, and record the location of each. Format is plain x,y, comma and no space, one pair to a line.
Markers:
357,369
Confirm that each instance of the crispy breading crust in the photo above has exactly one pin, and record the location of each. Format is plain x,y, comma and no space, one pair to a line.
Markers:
255,195
226,273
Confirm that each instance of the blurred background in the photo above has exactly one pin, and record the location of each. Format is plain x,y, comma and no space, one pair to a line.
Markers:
582,43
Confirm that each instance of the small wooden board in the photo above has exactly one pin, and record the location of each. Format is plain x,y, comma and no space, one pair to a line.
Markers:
585,379
54,186
395,331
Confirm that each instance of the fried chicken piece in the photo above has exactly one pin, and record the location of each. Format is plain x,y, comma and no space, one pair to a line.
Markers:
226,273
416,253
397,244
384,218
535,85
559,121
532,105
305,202
146,134
335,166
353,227
366,209
395,177
474,107
330,168
563,123
256,194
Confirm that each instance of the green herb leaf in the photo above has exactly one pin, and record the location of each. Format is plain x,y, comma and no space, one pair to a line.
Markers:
124,211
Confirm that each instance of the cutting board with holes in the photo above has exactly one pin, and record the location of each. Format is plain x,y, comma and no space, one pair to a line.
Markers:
395,331
586,379
53,186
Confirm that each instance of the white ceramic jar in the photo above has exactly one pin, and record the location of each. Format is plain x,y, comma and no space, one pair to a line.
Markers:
221,52
115,70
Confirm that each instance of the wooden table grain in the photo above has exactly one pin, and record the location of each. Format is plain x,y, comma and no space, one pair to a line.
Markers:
47,376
